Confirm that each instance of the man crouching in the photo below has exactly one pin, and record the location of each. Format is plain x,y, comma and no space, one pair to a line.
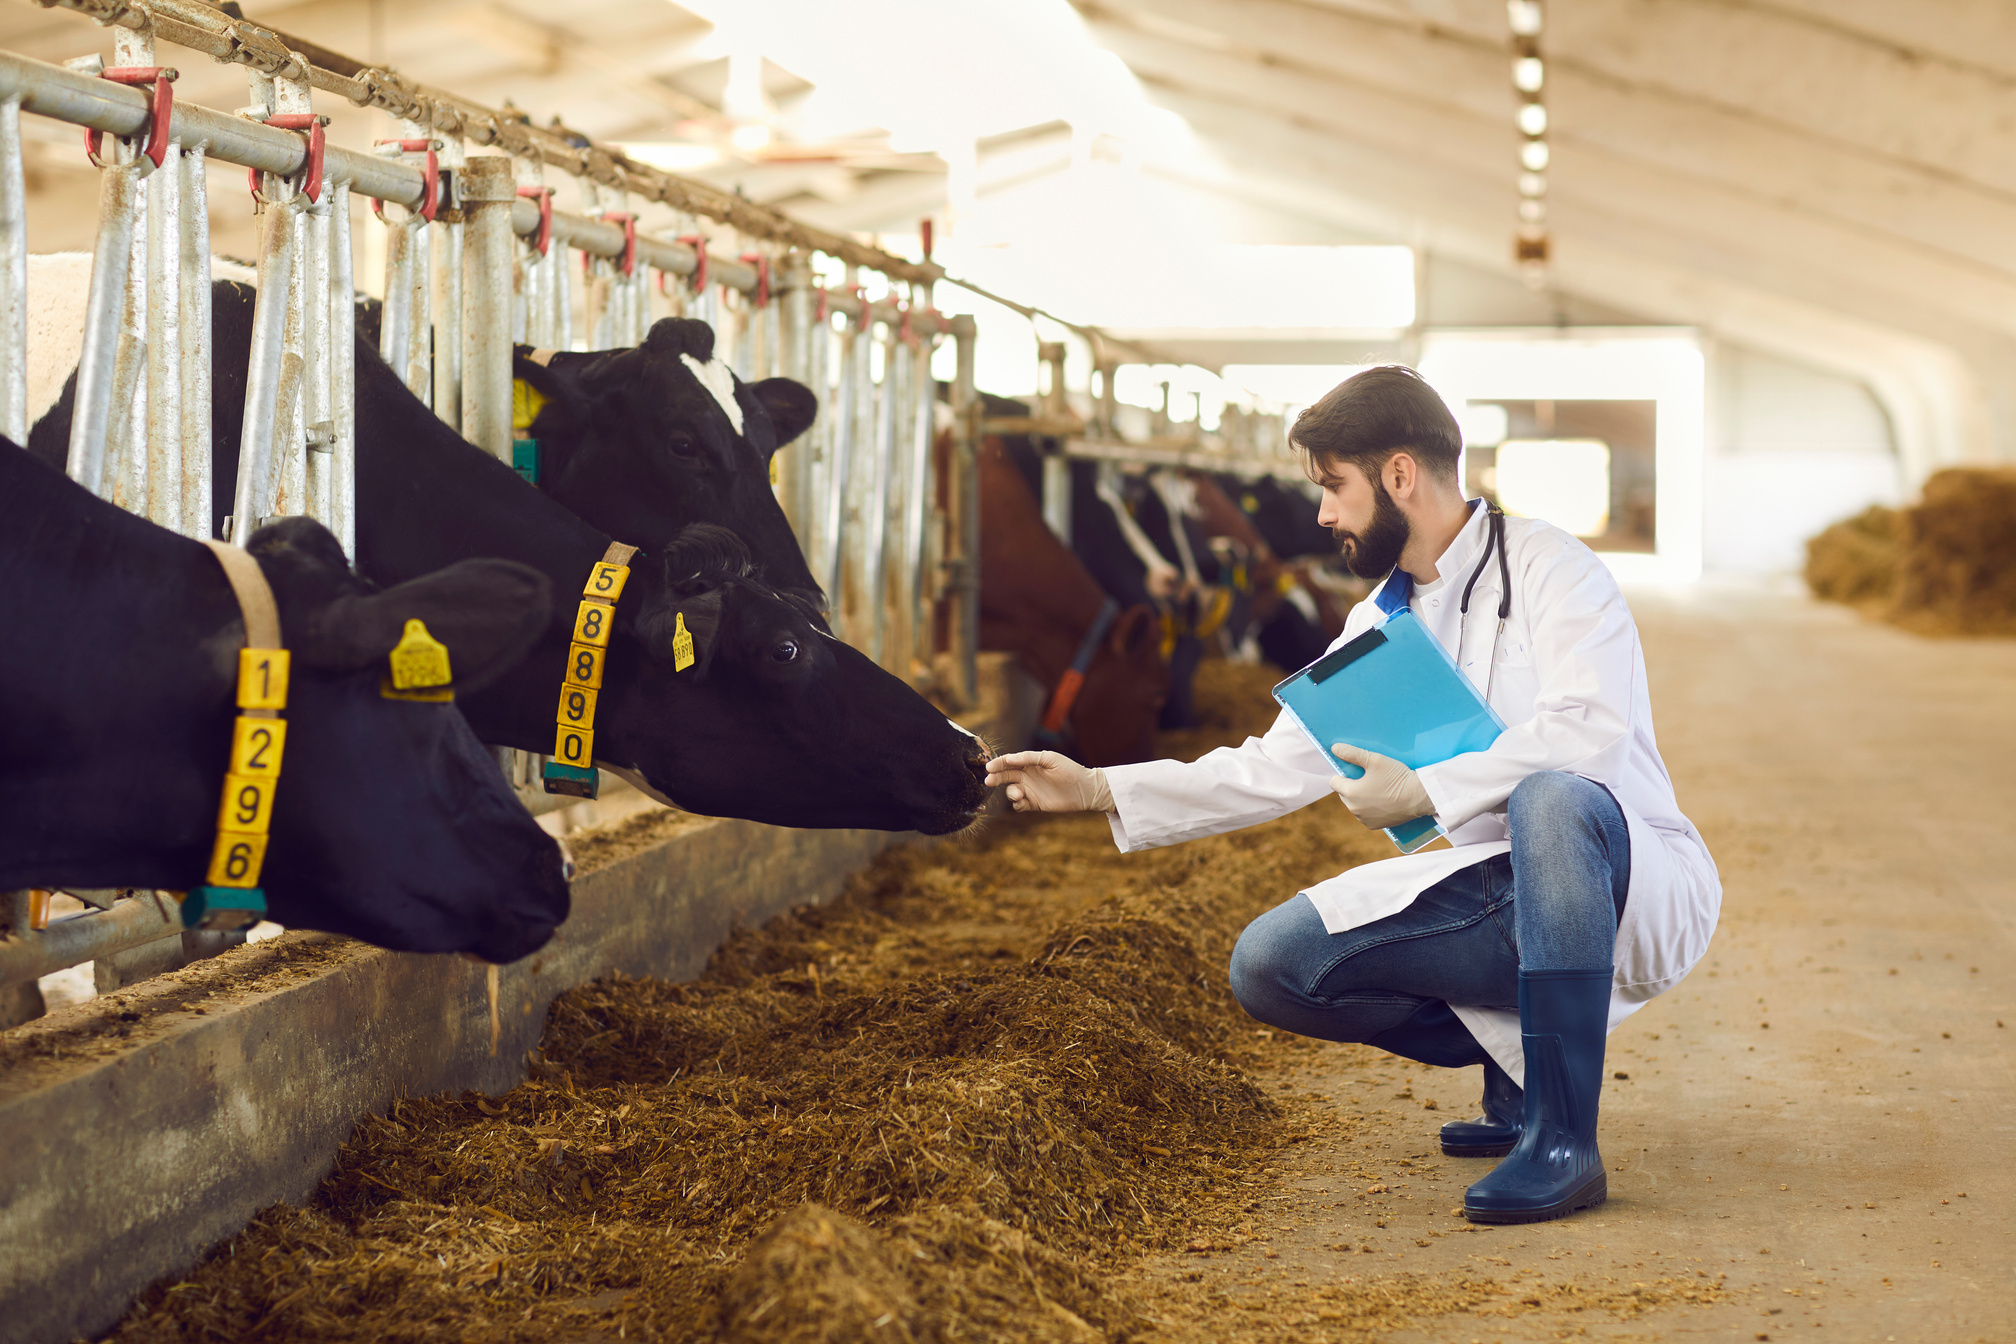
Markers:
1575,890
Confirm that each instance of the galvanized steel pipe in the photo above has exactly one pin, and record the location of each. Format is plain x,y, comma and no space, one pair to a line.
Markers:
489,196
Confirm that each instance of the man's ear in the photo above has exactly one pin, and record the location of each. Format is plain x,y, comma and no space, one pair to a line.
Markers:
488,612
658,630
791,404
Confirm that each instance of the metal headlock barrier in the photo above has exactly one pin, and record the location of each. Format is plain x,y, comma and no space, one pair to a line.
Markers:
478,255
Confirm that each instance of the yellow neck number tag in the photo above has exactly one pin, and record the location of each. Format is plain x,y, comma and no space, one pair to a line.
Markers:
682,644
245,813
572,767
419,667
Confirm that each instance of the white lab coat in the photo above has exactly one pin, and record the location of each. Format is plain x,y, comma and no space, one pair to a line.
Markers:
1568,675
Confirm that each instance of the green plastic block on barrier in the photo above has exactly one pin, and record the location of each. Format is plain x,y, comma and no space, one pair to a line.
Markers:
525,458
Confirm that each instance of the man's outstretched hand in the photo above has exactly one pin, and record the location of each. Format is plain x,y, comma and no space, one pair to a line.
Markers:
1048,781
1387,794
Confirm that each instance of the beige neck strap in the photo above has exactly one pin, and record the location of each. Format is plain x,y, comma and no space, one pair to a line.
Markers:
255,598
618,554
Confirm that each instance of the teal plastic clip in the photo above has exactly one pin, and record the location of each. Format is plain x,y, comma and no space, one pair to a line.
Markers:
579,781
224,908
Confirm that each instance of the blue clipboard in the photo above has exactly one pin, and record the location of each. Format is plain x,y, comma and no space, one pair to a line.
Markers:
1396,691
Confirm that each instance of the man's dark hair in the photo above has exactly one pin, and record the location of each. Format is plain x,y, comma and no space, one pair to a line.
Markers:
1372,415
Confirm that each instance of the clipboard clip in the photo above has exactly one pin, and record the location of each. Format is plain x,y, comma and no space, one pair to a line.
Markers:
1330,664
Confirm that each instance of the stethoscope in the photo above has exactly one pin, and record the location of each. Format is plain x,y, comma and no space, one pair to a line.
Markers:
1494,540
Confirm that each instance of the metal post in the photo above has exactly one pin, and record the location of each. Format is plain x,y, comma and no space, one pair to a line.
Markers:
964,493
875,497
194,291
837,506
91,417
893,594
1057,495
794,310
447,298
395,323
164,346
920,504
252,500
489,190
126,433
342,496
289,470
318,397
13,277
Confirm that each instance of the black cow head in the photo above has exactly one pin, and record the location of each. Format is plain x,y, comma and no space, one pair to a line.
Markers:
788,721
392,823
643,442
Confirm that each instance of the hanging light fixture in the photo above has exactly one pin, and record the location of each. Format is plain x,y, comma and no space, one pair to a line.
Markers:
1532,244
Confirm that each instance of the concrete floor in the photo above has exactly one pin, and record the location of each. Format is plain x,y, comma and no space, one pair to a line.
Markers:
1825,1111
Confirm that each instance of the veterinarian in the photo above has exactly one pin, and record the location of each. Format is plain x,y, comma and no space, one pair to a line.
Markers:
1574,891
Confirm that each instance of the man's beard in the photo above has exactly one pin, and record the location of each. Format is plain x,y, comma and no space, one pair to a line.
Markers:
1372,554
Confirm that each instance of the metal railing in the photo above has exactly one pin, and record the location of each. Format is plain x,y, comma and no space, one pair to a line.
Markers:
476,255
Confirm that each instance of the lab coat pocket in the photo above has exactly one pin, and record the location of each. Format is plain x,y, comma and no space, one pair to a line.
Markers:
1514,653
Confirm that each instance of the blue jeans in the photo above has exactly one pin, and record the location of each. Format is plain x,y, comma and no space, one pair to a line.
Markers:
1552,904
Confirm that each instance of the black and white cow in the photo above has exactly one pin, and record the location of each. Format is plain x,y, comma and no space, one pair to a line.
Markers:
783,724
117,695
645,441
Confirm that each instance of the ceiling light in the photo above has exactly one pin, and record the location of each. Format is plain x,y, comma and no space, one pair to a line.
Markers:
1533,118
1532,211
1532,184
1533,154
1528,74
750,136
1525,16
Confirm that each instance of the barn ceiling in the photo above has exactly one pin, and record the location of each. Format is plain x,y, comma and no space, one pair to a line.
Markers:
1829,180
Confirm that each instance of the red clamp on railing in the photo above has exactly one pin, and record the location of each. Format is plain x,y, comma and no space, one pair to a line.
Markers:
430,191
160,108
629,222
762,265
543,195
820,310
699,246
860,293
311,172
904,332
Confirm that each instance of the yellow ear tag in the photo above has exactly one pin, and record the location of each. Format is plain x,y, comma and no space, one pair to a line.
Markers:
682,645
419,667
526,403
773,469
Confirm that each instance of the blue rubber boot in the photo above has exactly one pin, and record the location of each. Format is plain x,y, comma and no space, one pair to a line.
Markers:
1504,1119
1554,1169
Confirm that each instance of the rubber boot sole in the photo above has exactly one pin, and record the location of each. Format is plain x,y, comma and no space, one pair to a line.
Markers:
1586,1196
1478,1149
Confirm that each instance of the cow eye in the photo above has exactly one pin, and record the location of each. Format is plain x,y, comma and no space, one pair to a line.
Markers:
784,651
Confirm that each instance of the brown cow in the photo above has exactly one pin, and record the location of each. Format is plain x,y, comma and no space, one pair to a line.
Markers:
1037,601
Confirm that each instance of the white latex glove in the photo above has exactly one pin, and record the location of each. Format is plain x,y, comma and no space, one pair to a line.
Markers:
1048,781
1387,794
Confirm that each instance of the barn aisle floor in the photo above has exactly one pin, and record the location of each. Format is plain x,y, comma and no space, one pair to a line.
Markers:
1822,1111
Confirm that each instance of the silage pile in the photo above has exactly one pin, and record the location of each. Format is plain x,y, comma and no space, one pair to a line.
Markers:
1946,565
932,1110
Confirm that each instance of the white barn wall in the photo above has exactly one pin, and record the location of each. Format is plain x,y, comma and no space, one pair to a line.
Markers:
1790,450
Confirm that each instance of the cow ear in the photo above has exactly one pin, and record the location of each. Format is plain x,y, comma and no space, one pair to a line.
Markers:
557,377
791,405
699,615
489,613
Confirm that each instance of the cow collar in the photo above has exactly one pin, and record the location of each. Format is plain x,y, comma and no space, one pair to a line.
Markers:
572,769
230,897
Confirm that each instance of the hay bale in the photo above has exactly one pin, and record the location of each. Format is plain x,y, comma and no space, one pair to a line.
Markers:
1956,573
1855,560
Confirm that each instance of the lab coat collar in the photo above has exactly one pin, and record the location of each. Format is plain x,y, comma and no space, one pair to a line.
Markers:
1455,562
1398,589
